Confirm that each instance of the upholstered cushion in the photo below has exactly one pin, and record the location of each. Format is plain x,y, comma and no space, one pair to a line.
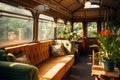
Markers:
11,57
67,51
58,66
56,50
17,71
52,71
3,55
22,59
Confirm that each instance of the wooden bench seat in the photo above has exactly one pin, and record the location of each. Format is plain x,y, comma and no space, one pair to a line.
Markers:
38,54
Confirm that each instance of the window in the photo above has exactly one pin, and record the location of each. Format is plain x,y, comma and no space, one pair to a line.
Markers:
78,27
63,30
15,28
10,8
67,29
94,4
46,28
60,28
91,29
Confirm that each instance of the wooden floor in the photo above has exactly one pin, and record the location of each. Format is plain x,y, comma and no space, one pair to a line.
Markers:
81,70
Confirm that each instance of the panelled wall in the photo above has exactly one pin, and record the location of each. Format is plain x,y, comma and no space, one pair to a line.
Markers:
32,51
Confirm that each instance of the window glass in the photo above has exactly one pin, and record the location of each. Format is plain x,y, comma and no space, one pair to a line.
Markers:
68,24
59,30
89,5
15,29
95,6
67,30
10,8
91,29
60,21
62,30
42,16
46,28
78,27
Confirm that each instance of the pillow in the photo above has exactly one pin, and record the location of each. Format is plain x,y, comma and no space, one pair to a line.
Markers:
22,59
67,51
11,57
3,55
56,50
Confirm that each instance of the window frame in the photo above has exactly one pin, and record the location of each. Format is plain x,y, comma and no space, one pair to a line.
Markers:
47,20
11,15
66,27
95,35
82,28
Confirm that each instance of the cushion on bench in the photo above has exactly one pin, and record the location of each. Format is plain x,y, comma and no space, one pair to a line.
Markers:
55,68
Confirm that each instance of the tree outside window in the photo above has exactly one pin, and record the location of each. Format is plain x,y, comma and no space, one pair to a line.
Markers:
78,27
46,28
91,29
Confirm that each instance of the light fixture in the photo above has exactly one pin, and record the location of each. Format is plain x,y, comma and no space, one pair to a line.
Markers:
87,4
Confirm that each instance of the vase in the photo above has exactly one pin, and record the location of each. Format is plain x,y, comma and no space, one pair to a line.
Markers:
109,65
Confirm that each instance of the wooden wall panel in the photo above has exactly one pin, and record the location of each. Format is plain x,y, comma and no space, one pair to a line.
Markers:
89,13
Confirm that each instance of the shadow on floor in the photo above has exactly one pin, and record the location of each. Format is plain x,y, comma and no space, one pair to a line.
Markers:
81,70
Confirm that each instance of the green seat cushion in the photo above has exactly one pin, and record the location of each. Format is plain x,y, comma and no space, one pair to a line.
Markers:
3,55
17,71
11,57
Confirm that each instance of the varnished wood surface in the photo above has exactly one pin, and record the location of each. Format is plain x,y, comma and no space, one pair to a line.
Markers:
100,70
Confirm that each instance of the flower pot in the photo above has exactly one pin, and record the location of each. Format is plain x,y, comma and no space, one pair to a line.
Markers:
109,65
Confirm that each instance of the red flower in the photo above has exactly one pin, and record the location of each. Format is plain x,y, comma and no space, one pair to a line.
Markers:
106,33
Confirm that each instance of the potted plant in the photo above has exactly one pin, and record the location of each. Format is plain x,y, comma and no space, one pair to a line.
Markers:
109,48
74,36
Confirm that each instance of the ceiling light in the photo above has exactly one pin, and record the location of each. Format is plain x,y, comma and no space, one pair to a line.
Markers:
87,4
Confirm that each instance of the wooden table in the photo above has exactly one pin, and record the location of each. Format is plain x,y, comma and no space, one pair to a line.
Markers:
99,71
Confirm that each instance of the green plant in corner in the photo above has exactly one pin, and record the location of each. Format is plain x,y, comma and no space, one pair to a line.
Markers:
109,47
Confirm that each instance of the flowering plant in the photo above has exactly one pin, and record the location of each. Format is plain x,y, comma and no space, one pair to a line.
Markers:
109,44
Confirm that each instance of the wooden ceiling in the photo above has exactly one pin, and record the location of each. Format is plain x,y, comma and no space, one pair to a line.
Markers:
62,8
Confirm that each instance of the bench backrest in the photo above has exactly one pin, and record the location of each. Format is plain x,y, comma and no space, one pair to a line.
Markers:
35,52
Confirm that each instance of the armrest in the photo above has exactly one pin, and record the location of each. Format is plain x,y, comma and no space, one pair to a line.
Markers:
17,71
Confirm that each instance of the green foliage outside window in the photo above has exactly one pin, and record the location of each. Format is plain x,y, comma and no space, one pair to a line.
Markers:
91,29
12,25
78,28
63,31
12,29
46,30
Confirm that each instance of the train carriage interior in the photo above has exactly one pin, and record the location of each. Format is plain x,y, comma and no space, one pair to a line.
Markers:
59,39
